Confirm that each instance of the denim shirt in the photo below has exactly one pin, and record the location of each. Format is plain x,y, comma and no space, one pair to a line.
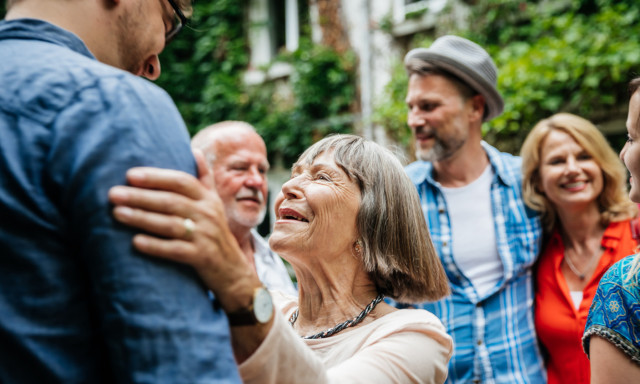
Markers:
494,335
77,303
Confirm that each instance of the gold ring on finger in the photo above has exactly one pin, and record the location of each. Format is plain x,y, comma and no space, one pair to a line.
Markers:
189,227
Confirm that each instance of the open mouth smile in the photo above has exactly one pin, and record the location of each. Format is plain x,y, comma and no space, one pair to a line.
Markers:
290,214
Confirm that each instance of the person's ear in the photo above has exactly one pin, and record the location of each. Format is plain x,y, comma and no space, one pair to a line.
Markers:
478,106
205,173
151,68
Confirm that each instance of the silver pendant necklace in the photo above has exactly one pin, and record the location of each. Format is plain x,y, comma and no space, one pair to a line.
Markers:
575,270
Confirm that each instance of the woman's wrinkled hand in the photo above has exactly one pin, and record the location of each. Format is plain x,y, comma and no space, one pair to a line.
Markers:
185,221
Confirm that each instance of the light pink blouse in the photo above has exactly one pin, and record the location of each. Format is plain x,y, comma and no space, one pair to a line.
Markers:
405,346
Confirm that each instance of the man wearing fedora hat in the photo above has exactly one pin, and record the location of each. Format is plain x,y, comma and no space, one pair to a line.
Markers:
470,194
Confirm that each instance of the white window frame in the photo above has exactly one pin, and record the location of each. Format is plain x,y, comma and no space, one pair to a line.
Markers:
261,40
401,9
403,26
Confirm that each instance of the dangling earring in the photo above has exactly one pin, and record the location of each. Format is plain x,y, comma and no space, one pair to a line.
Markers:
357,246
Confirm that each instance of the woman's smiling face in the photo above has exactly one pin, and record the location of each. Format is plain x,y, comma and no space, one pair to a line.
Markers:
316,211
569,175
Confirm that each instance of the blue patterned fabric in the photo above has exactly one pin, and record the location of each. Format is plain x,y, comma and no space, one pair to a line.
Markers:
494,334
615,311
77,303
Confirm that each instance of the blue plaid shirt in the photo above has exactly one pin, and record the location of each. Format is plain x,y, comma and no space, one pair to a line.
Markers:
494,335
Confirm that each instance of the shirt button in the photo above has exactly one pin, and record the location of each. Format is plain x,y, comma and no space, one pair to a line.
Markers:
479,342
476,381
441,210
444,243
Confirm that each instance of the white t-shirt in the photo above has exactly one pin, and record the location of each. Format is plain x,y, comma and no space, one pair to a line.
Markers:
576,296
473,232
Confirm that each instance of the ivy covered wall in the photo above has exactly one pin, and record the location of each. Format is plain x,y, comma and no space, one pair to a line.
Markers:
203,68
563,55
203,73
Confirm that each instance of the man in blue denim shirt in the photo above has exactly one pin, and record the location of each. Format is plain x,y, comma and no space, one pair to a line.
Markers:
470,194
77,303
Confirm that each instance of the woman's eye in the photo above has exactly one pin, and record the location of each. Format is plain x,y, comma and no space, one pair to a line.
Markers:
555,161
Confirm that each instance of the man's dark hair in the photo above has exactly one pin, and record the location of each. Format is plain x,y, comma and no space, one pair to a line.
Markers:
423,68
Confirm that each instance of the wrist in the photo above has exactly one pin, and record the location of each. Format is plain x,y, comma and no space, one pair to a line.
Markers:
258,311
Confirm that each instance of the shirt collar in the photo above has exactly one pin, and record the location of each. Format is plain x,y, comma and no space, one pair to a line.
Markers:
260,247
34,29
425,173
610,238
614,233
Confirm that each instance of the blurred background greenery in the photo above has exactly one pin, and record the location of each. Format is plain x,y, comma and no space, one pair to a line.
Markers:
566,55
576,57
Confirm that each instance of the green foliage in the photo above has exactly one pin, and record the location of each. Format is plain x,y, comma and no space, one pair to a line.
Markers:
573,56
577,61
391,111
416,14
203,69
202,65
323,88
386,23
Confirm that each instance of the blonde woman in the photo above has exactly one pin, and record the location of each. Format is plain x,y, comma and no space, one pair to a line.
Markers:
577,183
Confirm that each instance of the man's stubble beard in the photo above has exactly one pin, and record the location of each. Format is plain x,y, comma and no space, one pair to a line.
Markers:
234,215
439,151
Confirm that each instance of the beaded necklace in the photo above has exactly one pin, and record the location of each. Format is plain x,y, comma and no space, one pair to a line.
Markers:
349,323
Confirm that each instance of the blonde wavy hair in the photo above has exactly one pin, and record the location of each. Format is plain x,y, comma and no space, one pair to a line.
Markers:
613,201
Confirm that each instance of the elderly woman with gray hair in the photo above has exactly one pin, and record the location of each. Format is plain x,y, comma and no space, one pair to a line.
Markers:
350,224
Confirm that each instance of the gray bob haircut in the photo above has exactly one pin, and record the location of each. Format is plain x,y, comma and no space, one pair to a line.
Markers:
397,250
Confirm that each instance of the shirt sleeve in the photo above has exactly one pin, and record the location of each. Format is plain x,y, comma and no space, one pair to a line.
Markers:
417,353
615,311
155,319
